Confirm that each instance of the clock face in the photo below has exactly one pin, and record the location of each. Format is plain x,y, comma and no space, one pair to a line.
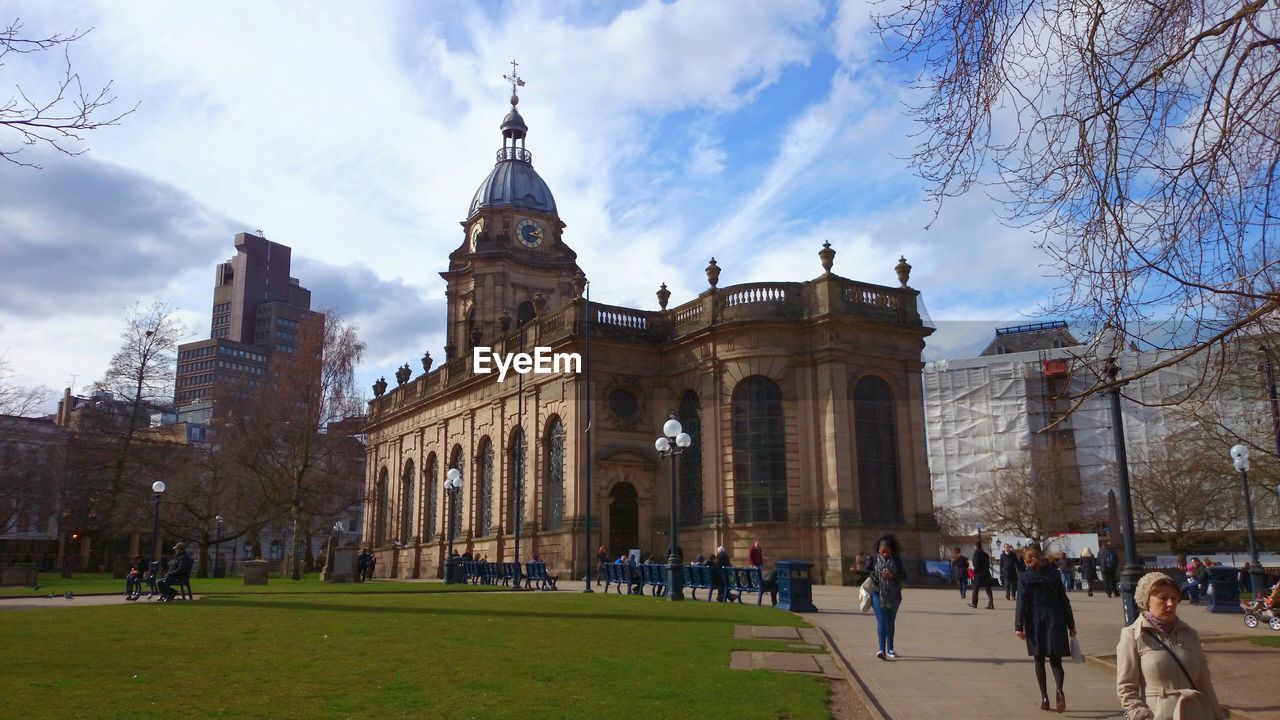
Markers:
475,234
529,232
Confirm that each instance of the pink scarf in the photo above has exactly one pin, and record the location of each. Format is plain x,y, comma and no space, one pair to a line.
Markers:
1165,628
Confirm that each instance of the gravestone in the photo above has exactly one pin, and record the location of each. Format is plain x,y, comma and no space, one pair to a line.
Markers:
342,566
255,572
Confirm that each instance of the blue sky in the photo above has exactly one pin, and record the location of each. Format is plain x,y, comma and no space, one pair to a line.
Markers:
668,132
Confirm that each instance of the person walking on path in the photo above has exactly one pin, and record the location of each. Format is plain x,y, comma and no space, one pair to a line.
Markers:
981,576
1010,566
1088,570
887,573
602,559
1043,619
1110,564
1161,670
755,556
1066,570
960,570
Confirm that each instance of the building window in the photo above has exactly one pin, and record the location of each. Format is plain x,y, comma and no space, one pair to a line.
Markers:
691,461
455,511
516,511
380,511
759,452
484,496
433,487
553,492
406,508
877,443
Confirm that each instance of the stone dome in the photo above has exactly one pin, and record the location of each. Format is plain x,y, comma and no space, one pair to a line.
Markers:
514,183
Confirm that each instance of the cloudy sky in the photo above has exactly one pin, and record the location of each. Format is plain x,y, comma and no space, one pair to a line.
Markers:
356,133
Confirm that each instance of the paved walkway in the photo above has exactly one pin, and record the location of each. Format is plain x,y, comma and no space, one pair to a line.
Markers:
962,663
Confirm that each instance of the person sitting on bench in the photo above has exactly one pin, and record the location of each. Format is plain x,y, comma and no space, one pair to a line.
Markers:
179,573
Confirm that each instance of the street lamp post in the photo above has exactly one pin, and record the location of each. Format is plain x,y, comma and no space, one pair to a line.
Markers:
518,501
1132,570
1257,581
452,485
158,488
217,544
672,444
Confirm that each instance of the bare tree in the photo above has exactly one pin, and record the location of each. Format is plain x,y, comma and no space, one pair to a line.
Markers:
56,119
1182,494
1037,499
1141,139
280,431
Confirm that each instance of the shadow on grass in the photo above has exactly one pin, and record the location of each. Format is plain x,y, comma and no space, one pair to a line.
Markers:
244,601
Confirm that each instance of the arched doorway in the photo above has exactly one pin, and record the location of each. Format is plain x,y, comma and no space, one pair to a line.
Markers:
624,519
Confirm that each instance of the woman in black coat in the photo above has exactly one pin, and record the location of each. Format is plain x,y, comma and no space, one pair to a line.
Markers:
1043,618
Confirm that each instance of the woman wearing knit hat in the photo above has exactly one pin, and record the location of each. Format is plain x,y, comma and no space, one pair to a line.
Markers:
1161,671
1043,618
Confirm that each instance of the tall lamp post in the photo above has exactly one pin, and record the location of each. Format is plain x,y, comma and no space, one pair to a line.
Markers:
1257,581
672,444
518,500
158,488
586,437
1132,570
217,543
452,485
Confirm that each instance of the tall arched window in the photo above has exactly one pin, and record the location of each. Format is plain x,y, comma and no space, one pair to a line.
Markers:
691,461
515,512
380,510
433,490
484,493
406,508
553,482
759,452
877,441
455,509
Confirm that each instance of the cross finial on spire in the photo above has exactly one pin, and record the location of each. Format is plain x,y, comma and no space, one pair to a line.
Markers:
515,81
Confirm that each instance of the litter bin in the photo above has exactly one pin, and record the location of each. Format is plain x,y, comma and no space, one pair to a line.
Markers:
1224,593
453,571
795,587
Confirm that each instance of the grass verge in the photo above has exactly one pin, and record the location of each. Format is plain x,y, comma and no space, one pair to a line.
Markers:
96,583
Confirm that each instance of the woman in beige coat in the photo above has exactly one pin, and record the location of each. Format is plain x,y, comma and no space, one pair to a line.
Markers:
1161,671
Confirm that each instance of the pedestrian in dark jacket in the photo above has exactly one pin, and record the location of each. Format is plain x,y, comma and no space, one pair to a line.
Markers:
981,576
960,571
887,573
1110,564
178,572
1066,570
1010,566
1088,569
1043,619
755,556
722,561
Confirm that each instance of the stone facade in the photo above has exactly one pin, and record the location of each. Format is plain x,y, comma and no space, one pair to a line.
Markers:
803,399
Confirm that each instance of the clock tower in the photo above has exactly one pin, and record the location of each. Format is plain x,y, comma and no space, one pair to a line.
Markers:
512,262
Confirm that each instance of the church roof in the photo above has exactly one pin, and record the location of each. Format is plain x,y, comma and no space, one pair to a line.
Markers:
514,183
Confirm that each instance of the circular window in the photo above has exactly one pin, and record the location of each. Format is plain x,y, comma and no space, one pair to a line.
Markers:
622,403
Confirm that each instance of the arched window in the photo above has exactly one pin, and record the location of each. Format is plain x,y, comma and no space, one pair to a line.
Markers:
877,438
515,513
455,509
433,491
553,487
691,461
484,493
380,510
759,452
406,507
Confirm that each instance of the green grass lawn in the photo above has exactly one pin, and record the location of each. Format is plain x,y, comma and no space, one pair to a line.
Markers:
1273,641
420,655
98,583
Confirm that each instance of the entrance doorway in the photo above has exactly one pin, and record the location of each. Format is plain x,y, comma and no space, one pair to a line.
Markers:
624,520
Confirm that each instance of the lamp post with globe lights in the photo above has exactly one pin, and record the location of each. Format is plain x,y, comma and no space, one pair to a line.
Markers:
1257,581
452,486
157,487
673,443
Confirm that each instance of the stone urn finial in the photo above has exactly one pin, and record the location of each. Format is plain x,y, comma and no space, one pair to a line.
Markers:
475,335
380,387
579,283
713,273
448,351
663,296
903,269
504,321
403,374
539,303
426,362
827,255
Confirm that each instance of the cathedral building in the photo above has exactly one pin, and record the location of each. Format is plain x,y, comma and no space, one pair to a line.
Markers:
802,400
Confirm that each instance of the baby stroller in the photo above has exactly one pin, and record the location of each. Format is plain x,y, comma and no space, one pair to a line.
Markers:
1261,610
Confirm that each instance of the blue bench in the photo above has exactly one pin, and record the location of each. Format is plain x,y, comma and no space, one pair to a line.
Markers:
654,576
743,580
698,577
618,575
536,572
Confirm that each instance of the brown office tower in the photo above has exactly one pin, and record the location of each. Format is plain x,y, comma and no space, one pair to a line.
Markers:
257,309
